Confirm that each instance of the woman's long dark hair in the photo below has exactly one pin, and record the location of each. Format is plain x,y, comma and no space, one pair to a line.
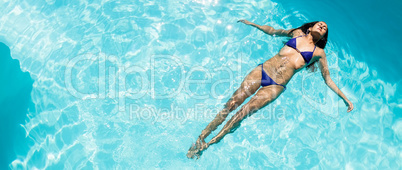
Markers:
321,43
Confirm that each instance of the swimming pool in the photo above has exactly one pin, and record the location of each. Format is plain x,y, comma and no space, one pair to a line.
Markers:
121,84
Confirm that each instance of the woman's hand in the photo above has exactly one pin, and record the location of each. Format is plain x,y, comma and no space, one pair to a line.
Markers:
350,105
245,21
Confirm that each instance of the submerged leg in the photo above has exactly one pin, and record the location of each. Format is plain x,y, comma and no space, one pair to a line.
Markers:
248,87
235,101
263,97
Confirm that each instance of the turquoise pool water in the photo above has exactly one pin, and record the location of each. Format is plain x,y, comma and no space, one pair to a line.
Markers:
122,84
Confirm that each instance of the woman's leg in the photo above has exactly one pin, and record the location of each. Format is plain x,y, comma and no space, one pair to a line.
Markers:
263,97
248,87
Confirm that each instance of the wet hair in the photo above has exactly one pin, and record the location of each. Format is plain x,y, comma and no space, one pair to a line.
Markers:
321,43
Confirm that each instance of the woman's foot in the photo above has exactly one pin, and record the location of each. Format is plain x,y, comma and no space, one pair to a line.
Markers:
196,149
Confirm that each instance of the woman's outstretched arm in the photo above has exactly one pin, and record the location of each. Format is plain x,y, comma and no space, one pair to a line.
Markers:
325,74
267,29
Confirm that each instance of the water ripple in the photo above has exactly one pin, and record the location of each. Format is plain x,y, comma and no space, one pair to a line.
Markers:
103,118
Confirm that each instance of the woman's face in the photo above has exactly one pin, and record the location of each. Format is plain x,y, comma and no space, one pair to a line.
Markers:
320,27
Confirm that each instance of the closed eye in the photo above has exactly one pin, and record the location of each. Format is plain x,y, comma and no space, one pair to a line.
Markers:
323,26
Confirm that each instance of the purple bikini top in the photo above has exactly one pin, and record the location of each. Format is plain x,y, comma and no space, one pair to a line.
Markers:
307,55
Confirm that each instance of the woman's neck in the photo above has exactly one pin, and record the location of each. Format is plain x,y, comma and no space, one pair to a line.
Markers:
313,39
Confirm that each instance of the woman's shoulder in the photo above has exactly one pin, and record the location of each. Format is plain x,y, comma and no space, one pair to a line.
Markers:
297,32
319,52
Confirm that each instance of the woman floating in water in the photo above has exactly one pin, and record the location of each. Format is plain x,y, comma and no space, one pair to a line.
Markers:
304,49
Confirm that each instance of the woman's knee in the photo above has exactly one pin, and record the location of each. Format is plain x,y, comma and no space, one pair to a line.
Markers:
248,109
233,104
255,104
